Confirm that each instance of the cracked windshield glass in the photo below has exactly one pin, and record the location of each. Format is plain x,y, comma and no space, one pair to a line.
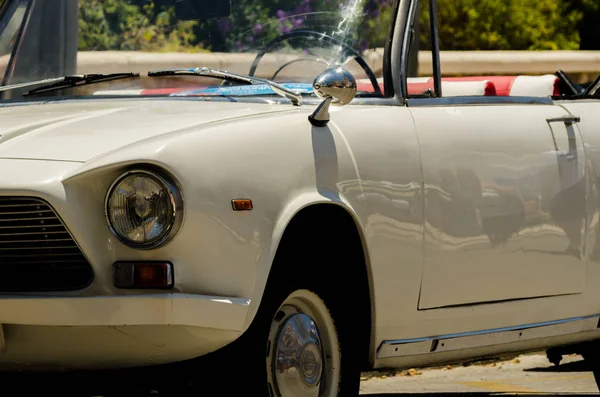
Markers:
287,41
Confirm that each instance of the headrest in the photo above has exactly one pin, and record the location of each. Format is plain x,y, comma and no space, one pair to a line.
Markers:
451,88
535,86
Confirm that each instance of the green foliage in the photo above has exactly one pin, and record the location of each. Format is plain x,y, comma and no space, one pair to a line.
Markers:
362,23
2,3
377,29
121,25
505,25
589,24
256,22
150,25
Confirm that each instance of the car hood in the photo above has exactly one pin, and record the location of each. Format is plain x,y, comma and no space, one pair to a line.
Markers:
79,130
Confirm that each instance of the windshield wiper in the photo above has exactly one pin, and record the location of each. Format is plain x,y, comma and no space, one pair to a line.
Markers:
67,82
295,97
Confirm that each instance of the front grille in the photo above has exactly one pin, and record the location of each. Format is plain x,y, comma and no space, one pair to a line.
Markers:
37,253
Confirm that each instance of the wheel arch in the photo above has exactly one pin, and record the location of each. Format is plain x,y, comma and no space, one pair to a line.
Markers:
348,238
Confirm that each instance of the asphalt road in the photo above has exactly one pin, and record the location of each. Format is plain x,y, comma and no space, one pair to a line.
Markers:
524,375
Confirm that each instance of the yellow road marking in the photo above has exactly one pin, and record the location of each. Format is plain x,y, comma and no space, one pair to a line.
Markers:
563,377
499,387
505,386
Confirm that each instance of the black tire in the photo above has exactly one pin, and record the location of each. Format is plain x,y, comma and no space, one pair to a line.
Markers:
326,264
248,366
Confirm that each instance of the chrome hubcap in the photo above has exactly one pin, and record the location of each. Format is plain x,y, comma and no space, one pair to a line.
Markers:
298,360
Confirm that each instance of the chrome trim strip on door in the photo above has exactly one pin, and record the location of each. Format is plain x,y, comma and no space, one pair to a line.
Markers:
491,337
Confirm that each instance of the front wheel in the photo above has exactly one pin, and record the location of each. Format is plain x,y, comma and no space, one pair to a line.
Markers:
301,343
304,353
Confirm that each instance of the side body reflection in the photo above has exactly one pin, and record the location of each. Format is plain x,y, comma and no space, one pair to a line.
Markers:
504,204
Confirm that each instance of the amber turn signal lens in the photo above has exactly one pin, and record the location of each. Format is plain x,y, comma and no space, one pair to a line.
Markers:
241,204
143,275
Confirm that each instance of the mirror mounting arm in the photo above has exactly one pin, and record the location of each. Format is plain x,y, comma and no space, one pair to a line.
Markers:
320,117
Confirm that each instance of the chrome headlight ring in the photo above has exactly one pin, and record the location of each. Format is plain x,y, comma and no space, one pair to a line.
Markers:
140,220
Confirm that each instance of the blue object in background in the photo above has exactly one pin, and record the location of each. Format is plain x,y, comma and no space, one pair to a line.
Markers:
246,90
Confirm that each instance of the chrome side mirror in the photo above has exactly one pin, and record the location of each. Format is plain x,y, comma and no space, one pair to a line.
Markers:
337,87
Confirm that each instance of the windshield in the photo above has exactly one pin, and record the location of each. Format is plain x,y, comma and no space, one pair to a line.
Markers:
298,38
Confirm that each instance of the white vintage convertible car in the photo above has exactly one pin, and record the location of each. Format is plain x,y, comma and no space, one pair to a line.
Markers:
301,209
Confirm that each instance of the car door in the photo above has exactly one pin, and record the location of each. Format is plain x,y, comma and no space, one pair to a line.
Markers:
505,181
505,190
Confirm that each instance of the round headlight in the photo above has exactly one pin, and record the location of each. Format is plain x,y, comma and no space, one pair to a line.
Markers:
143,209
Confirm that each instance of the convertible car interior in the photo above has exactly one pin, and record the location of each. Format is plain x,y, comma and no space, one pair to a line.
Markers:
505,86
534,86
549,85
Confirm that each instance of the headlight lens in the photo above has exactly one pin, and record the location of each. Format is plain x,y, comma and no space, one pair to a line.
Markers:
143,209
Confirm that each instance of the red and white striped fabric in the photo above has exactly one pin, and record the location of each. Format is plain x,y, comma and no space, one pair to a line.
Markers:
365,85
534,86
450,88
419,85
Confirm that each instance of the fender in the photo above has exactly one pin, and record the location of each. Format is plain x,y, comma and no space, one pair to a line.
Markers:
290,210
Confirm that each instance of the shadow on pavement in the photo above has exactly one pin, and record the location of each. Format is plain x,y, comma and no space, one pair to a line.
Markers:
174,381
144,383
130,383
577,366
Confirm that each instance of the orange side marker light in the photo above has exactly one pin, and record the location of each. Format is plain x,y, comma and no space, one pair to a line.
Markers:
241,204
